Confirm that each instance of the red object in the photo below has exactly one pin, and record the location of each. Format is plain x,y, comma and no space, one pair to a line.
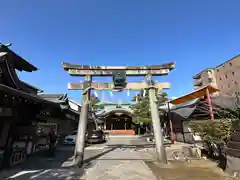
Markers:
173,138
121,132
210,105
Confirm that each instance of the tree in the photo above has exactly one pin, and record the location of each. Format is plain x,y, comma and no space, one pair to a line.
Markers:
141,109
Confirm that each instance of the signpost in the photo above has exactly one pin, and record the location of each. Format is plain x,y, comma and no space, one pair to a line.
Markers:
87,85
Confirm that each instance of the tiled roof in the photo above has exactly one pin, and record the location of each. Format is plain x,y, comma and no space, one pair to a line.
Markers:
18,62
57,98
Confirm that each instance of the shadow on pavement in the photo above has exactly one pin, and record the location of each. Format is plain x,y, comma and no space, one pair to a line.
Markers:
137,146
41,166
119,146
88,160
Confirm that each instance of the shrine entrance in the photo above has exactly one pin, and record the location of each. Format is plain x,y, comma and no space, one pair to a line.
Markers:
118,123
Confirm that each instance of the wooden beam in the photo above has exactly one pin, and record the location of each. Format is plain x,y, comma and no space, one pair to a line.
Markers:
140,72
83,70
68,66
110,86
195,94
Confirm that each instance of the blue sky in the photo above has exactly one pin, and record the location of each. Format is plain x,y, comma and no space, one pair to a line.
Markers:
194,34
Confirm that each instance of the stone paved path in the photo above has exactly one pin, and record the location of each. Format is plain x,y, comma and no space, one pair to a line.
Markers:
121,164
119,170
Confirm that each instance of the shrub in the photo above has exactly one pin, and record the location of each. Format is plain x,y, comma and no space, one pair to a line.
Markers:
211,131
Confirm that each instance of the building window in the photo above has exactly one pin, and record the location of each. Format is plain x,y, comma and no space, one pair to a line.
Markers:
210,80
209,71
217,70
220,78
236,82
230,64
226,76
233,73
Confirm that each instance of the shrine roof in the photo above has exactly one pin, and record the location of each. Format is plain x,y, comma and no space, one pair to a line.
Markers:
57,98
18,62
18,93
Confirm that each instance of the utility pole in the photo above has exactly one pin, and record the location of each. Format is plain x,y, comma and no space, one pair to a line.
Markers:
160,149
82,124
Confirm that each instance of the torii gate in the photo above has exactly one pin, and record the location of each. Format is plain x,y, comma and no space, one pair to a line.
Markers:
88,71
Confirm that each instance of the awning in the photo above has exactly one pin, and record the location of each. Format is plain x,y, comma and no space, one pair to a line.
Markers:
195,94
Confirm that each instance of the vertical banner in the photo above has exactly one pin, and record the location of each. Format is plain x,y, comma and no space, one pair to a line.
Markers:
95,93
144,93
128,93
136,97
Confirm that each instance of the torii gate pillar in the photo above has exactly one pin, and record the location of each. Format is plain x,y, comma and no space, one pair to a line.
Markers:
82,125
158,134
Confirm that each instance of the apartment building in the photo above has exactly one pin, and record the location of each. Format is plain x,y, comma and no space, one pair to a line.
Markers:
226,77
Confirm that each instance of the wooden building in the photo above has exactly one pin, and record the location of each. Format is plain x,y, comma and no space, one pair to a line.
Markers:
19,105
21,109
65,115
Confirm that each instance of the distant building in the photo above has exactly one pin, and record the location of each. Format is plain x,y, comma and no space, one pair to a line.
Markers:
226,77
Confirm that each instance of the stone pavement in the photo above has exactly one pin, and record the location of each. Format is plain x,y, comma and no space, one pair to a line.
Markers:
115,159
42,167
121,164
119,170
121,158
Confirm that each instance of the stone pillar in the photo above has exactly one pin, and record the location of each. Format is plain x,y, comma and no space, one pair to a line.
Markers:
82,125
158,134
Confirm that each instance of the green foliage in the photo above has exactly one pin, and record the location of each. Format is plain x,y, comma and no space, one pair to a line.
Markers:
211,131
141,110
